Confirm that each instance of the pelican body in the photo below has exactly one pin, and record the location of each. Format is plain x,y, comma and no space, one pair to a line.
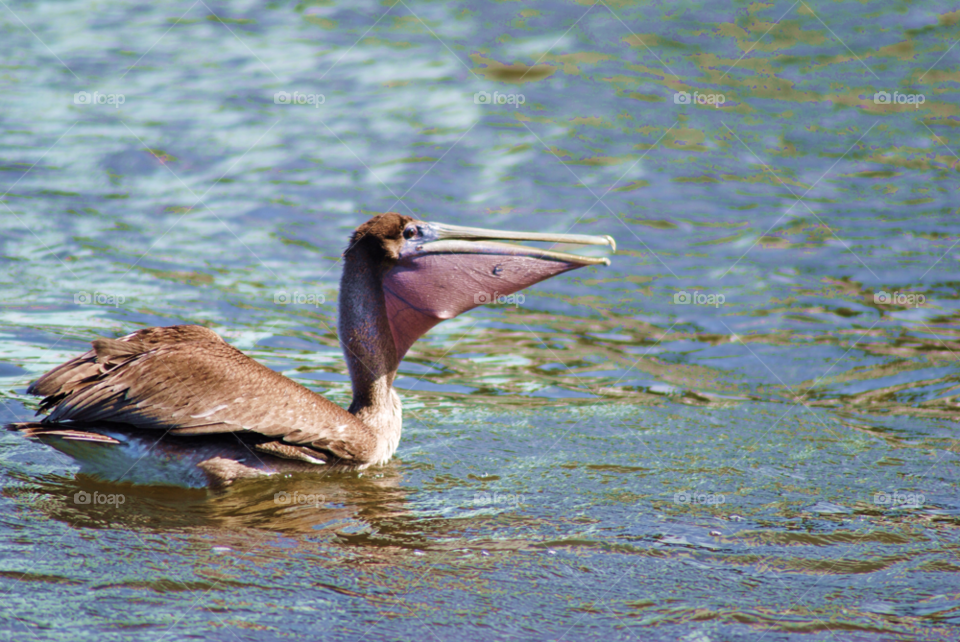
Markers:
178,405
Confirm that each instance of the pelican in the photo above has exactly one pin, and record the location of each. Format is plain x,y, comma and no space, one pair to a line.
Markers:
179,406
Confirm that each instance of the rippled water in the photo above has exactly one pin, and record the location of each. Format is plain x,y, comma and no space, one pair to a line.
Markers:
775,460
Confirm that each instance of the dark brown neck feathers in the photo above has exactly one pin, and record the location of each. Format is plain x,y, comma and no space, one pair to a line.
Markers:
367,341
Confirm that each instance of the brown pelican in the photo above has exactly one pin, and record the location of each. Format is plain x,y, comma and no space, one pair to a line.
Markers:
178,405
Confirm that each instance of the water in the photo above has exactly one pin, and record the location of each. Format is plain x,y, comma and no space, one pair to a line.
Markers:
775,460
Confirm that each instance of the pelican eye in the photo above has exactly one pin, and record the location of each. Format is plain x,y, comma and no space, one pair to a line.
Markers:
410,232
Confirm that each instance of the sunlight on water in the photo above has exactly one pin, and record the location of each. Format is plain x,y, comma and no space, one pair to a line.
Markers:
742,429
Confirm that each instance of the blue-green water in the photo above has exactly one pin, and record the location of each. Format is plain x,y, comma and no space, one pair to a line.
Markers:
775,460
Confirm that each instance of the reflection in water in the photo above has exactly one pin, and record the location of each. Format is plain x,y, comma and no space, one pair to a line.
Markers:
305,504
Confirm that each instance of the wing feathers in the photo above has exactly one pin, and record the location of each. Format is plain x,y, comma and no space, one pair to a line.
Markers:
187,380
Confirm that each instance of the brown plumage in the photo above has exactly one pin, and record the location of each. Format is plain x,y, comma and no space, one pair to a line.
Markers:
183,383
185,380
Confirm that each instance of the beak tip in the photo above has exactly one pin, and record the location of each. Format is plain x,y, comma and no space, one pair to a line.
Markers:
613,244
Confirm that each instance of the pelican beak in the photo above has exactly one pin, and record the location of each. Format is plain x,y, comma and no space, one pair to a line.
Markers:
468,240
445,270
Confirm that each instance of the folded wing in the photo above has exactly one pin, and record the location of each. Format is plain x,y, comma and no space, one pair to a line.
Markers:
185,380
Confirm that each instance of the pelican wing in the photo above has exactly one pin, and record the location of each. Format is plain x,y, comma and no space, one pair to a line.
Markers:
187,381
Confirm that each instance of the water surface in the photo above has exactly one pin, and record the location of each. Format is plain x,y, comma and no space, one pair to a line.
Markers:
776,459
